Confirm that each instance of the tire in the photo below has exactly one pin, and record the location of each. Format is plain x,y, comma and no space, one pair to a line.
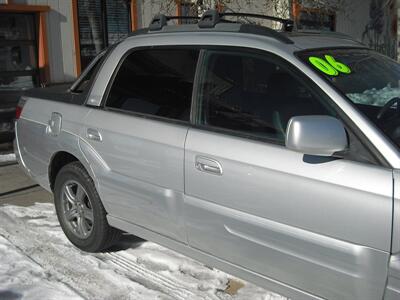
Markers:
80,212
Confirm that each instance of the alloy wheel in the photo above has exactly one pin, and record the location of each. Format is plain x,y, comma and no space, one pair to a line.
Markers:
77,209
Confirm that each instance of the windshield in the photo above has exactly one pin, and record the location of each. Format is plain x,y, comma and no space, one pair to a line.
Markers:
370,81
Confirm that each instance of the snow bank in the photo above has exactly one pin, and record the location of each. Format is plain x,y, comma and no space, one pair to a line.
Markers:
21,277
7,157
38,262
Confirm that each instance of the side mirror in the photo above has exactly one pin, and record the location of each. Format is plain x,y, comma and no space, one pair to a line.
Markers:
316,135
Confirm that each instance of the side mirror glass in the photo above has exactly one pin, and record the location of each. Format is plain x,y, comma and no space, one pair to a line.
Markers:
316,135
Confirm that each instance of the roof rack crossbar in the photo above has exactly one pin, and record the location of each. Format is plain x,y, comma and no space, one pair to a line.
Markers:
212,17
287,23
160,20
182,18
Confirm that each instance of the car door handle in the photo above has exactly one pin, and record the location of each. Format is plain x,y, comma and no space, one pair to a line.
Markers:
94,135
208,165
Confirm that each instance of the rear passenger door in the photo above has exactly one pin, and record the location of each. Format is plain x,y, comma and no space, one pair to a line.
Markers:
322,225
135,141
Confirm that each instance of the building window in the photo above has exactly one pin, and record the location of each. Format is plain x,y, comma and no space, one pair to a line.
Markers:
18,51
101,23
313,19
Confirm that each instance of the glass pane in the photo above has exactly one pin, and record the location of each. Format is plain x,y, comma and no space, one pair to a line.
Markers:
252,95
83,82
90,30
372,83
117,20
16,82
170,71
17,58
17,27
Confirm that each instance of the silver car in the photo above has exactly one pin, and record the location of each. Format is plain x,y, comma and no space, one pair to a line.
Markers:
271,155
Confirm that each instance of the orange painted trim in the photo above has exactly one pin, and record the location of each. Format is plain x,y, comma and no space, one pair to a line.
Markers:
296,9
134,15
24,8
75,24
178,10
43,62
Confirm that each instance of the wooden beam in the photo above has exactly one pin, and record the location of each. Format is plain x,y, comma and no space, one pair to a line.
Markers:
178,4
75,24
220,7
24,8
296,8
134,15
43,62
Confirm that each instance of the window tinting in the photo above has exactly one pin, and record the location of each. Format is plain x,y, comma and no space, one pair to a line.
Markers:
252,95
84,81
373,83
156,82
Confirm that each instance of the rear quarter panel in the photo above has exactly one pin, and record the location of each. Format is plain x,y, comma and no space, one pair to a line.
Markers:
36,147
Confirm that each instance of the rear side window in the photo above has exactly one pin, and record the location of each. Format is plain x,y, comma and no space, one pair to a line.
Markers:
156,82
253,94
84,82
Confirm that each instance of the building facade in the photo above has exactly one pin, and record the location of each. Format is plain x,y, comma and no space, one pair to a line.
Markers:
52,41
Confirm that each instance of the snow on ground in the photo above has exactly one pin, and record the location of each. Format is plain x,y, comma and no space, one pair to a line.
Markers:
38,262
19,275
7,157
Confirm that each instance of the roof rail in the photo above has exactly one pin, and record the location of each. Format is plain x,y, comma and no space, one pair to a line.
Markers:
160,20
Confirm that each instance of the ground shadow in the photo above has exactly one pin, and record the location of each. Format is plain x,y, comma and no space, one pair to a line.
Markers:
10,295
127,241
315,159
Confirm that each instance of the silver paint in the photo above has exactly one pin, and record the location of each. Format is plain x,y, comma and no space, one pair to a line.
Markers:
305,227
316,135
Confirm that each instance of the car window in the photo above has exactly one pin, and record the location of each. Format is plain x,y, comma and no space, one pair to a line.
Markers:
367,79
252,94
155,82
83,83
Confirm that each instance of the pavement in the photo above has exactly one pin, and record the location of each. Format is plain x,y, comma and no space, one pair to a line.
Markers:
18,189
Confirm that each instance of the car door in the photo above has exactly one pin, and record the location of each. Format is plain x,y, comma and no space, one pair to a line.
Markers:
322,225
136,141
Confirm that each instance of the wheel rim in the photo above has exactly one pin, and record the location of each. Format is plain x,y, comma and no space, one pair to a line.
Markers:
77,209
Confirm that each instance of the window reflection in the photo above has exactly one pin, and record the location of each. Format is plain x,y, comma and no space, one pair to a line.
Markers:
17,27
18,51
101,24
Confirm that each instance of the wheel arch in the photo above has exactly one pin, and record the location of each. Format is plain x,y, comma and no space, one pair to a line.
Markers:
57,162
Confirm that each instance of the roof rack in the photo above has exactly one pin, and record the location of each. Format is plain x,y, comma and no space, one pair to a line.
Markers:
212,17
